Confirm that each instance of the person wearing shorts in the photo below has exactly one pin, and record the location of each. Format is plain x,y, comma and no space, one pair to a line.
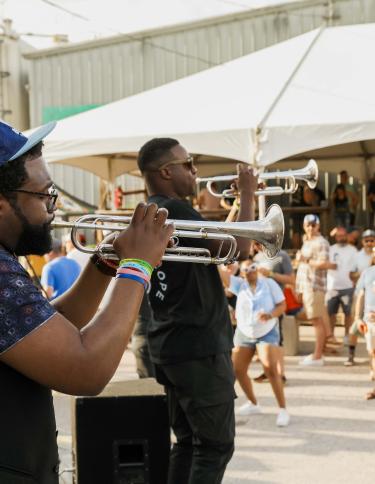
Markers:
340,298
339,282
260,302
281,271
311,283
363,260
364,316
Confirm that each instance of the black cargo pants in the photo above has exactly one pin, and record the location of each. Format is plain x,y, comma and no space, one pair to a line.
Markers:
200,397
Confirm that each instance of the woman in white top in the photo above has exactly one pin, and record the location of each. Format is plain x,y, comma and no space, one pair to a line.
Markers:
260,302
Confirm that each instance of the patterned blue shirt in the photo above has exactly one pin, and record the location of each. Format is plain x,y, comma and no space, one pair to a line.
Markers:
22,306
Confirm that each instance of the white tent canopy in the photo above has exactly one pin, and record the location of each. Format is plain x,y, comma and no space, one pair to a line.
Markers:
311,92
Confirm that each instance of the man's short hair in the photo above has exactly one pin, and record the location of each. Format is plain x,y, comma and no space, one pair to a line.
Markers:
13,173
154,151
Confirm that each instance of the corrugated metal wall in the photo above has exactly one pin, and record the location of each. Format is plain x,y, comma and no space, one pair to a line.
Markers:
13,95
108,70
105,71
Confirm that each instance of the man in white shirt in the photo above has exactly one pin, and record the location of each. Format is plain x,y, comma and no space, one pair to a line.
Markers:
339,283
364,317
364,256
362,261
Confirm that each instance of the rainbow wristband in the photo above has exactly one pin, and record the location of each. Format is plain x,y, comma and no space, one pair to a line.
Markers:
141,262
135,266
126,270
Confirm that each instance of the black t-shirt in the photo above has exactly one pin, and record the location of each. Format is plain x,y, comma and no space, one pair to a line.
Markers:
144,318
191,318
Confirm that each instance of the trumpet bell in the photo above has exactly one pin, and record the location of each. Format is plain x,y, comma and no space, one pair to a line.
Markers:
269,231
312,174
274,232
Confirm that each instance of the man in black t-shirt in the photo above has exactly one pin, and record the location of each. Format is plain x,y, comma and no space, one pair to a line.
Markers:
190,335
139,346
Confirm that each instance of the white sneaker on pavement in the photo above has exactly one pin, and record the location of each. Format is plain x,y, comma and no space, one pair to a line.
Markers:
310,361
249,408
283,418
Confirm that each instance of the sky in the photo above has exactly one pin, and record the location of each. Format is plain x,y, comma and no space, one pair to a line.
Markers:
90,19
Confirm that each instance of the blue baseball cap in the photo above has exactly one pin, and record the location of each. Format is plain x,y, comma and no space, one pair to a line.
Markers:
311,218
14,144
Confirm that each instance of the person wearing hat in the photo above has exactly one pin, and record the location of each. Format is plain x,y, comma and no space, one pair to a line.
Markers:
364,315
339,281
363,260
311,283
260,303
64,345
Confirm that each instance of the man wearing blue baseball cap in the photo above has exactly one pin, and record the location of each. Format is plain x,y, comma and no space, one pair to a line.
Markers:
311,283
45,345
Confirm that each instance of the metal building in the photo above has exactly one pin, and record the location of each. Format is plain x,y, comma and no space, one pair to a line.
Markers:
77,77
13,78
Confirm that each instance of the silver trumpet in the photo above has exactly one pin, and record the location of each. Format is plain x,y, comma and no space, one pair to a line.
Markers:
308,174
269,232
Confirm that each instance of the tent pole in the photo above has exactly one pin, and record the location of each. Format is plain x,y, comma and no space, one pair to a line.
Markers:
259,171
262,206
330,13
365,202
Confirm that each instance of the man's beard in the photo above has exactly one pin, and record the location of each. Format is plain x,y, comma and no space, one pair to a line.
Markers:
34,239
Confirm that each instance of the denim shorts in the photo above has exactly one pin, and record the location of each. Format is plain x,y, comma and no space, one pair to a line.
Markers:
271,338
337,298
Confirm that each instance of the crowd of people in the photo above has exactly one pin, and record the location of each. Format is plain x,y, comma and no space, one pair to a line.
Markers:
184,334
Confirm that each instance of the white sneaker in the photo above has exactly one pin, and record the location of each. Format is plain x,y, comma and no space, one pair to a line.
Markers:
249,408
283,418
310,361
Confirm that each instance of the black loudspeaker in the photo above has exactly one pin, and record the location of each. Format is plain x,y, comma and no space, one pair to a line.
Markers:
122,436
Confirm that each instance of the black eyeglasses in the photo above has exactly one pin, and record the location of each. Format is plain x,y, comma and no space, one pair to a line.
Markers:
51,196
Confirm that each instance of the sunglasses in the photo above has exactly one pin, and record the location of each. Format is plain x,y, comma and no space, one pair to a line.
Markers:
189,162
51,196
250,268
368,241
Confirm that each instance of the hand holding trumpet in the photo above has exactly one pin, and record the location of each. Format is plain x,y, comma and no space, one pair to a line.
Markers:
246,181
147,235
